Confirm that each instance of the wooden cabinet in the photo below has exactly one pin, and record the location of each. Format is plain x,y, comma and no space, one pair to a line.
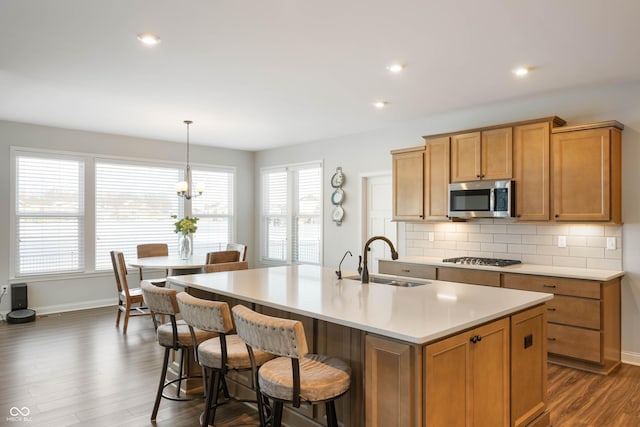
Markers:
482,155
531,171
467,378
528,367
419,271
436,178
583,320
393,386
464,275
421,180
587,172
408,183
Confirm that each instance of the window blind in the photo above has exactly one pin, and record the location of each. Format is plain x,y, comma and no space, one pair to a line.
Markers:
214,208
275,214
307,217
49,214
134,204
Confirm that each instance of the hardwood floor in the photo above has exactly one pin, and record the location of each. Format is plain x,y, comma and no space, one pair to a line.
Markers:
77,369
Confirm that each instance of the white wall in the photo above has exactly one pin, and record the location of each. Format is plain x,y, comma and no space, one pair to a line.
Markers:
369,152
94,289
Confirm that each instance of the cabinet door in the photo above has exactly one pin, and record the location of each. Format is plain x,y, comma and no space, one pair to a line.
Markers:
467,378
497,154
465,157
531,171
392,383
408,184
528,365
582,175
491,375
436,177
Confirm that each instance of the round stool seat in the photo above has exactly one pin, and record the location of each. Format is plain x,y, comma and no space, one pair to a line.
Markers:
321,378
165,335
210,354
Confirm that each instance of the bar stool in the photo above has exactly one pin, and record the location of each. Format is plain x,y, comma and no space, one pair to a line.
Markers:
296,375
216,355
174,335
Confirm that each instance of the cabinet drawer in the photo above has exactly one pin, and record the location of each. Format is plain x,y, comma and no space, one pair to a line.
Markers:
574,342
556,285
418,271
474,277
574,311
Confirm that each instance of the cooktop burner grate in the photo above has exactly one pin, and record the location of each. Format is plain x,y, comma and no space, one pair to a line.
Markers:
495,262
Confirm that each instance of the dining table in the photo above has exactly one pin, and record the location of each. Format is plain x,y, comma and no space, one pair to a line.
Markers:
173,263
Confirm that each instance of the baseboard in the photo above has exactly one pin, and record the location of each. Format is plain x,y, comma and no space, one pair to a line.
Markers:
84,305
630,358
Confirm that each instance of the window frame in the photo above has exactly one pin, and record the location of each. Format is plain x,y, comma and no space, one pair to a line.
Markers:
292,212
89,185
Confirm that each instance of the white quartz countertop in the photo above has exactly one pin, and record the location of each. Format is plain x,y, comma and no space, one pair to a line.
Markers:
539,270
413,314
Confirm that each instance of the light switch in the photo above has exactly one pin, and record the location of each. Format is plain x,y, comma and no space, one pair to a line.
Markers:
431,236
611,243
562,241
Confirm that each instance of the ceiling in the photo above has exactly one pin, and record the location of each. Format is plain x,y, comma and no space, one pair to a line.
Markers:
259,74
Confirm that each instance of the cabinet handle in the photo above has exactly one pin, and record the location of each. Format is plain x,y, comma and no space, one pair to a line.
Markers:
556,215
478,176
475,339
549,286
551,309
551,339
406,271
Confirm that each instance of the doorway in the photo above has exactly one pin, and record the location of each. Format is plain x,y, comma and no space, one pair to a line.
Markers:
376,217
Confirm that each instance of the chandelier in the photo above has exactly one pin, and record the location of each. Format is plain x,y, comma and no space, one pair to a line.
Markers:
185,188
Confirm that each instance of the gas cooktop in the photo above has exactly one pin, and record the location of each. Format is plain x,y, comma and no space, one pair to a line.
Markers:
494,262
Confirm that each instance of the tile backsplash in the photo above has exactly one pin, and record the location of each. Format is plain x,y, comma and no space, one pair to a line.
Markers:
586,245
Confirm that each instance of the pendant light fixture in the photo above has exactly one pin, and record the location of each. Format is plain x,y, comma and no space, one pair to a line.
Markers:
185,188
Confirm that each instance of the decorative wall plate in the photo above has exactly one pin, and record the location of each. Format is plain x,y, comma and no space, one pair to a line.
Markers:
337,197
337,180
337,214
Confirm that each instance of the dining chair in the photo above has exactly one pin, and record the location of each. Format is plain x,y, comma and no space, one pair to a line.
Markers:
147,250
222,256
296,375
226,266
173,335
216,355
242,249
130,301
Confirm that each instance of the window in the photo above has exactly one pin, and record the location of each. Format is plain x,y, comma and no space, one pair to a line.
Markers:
291,214
214,208
49,214
134,204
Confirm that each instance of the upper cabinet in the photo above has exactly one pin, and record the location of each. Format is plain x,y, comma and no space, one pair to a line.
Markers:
481,155
421,180
408,183
587,180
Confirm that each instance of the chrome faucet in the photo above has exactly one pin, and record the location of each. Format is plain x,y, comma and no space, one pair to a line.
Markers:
364,276
339,271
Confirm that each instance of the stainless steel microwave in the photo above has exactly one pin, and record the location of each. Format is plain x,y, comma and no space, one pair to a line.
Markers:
481,199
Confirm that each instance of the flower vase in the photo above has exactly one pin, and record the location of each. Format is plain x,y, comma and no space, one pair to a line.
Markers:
185,245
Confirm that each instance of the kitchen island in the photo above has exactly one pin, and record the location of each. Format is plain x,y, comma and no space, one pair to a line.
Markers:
400,341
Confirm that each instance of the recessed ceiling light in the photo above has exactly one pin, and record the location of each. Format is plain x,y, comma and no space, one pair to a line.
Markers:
395,68
380,104
149,38
521,71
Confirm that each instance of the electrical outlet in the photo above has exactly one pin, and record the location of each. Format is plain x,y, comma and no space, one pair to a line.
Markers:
562,241
431,236
611,243
4,289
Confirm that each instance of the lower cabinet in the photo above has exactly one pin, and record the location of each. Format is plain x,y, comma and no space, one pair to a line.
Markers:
393,373
467,378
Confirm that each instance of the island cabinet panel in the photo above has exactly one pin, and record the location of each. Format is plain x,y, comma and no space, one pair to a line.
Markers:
584,325
587,173
528,366
393,386
467,378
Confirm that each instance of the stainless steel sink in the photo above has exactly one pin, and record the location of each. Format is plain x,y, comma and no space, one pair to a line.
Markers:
405,282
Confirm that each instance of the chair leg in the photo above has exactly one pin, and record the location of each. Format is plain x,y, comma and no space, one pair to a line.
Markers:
211,392
261,405
277,413
118,315
214,393
126,318
180,371
163,376
332,419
